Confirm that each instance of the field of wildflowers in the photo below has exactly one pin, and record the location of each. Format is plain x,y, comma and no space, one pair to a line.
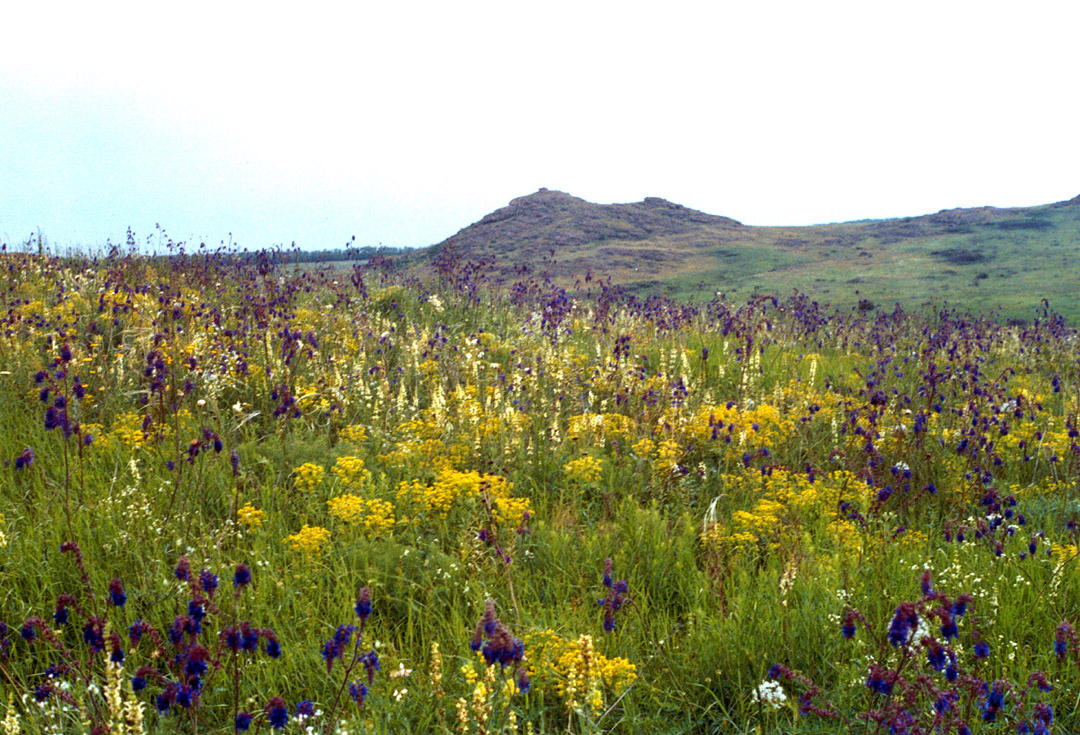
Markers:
238,496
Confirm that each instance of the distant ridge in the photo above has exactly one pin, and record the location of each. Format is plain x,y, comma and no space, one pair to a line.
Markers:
983,256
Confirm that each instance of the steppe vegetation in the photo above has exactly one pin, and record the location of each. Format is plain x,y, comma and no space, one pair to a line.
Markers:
243,497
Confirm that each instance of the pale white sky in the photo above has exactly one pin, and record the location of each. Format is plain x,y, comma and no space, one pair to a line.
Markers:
401,122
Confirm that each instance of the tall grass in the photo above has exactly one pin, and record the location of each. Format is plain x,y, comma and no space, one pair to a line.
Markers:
762,471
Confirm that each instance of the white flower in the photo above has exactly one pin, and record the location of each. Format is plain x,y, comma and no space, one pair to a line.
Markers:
922,631
770,694
401,671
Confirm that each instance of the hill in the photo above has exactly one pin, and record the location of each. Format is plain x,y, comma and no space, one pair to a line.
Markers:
984,258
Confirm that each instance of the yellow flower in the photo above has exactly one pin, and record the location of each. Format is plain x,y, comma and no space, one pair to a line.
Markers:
351,472
309,539
375,516
250,516
347,507
576,669
453,488
583,471
308,476
355,434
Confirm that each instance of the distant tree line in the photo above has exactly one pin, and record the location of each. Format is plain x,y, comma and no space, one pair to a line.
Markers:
295,255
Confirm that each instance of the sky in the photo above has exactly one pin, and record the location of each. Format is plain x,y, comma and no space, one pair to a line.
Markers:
401,122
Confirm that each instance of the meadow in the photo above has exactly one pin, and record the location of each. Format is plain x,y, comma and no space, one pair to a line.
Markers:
241,497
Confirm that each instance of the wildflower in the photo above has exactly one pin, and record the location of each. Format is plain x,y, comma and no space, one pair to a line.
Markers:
995,700
242,576
25,459
848,626
208,581
363,604
982,649
136,631
959,607
309,539
502,646
116,592
584,471
335,647
196,661
277,713
93,635
1039,679
370,660
1061,636
359,693
770,694
927,584
272,648
183,569
880,680
60,616
1044,715
308,476
615,599
522,680
250,516
936,656
904,623
243,722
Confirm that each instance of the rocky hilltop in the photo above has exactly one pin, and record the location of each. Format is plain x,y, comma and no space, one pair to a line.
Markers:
530,228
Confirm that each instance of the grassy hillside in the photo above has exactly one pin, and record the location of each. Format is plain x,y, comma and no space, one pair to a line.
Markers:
984,259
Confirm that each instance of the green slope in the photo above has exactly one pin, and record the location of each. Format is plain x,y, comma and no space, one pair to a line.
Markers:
983,259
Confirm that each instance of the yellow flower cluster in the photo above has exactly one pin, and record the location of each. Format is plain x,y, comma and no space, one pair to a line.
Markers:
308,476
576,670
355,434
600,427
783,501
509,510
583,471
127,430
309,539
250,516
667,456
374,516
761,426
351,472
347,507
644,448
424,454
715,539
453,489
